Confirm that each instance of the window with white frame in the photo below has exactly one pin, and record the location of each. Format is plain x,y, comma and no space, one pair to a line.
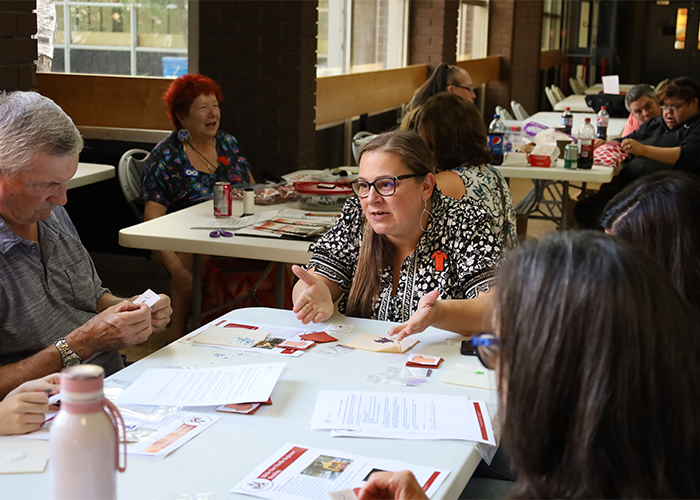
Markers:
472,29
115,37
551,24
355,36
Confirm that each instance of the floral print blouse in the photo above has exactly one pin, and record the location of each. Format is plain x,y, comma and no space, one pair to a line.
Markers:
170,179
456,255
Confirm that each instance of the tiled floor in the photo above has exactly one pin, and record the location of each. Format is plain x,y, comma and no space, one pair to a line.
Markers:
128,276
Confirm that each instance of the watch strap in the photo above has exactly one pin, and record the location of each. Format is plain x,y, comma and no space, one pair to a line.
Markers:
67,353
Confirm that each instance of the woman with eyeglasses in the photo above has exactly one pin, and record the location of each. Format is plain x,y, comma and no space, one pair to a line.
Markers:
399,246
455,133
446,78
670,141
596,354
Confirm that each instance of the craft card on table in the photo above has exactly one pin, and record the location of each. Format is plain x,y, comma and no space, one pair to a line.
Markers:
149,297
320,337
242,408
22,456
383,415
203,387
381,343
171,433
423,361
230,337
296,344
471,376
297,472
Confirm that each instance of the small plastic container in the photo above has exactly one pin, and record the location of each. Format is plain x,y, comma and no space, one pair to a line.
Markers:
325,196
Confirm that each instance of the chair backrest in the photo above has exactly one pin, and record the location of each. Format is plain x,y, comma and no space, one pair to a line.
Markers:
550,97
558,94
359,140
519,111
130,173
505,115
576,86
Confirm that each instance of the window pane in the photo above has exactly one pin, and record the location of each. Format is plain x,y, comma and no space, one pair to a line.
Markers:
103,26
681,25
472,30
162,26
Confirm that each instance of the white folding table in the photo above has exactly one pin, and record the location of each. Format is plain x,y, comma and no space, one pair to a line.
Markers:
553,119
89,173
216,460
576,102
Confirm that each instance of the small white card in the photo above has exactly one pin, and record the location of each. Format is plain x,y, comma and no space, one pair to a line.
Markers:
339,327
149,297
18,456
611,84
471,376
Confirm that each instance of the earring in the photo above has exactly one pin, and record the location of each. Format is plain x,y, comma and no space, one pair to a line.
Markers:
184,135
425,211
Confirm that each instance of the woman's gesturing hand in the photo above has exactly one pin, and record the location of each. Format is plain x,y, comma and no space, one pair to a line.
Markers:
423,317
312,298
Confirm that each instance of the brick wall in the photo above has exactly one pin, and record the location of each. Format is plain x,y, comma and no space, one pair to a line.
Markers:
17,48
515,30
263,55
432,32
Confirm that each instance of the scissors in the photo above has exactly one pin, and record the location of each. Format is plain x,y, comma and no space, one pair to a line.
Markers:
220,232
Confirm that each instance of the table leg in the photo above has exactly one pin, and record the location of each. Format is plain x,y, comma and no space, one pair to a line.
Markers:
279,289
583,192
197,289
564,207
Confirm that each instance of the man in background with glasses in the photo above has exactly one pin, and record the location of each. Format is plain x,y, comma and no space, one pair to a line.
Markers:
665,142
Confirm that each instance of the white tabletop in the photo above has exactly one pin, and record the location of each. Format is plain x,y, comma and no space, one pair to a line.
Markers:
216,460
553,119
172,232
577,103
598,88
558,173
89,173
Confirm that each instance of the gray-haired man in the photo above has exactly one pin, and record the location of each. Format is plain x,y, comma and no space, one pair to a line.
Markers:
54,311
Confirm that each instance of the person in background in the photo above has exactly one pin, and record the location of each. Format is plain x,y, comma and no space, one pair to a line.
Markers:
182,170
455,133
641,102
399,245
670,141
445,78
54,311
659,214
23,409
596,356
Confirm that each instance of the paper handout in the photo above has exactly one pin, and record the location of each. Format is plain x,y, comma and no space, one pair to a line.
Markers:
402,416
381,343
471,376
230,337
203,387
297,472
22,455
611,84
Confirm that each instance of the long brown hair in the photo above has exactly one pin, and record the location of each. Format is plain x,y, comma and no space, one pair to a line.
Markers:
376,251
599,372
441,78
454,131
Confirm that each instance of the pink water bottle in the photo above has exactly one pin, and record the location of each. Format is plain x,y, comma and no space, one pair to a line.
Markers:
84,438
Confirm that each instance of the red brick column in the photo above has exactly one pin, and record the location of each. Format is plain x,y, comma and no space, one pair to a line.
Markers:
263,55
17,48
515,31
432,32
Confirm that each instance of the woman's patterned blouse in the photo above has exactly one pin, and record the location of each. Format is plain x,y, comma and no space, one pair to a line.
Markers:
456,255
170,179
486,185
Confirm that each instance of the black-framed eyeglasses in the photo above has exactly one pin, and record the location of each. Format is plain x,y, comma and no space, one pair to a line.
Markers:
486,345
470,89
385,186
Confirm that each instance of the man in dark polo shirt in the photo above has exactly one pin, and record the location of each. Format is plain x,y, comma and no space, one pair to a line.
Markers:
666,142
54,311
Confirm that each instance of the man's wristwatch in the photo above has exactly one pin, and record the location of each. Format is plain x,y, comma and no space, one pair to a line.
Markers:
69,357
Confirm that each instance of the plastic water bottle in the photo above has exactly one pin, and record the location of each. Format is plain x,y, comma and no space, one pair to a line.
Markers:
586,137
496,132
603,118
567,121
84,438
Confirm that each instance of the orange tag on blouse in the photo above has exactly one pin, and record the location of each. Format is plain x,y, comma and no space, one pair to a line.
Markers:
439,257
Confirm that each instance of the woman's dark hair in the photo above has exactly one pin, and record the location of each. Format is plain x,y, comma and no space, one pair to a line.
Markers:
454,131
681,88
182,93
443,76
659,213
599,372
376,251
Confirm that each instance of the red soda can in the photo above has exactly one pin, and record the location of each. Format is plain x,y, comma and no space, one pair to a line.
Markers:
222,199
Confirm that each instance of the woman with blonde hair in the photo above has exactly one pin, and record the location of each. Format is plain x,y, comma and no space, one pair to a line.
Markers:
399,246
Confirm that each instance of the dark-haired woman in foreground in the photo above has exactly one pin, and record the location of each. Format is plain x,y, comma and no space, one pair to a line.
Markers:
597,357
660,214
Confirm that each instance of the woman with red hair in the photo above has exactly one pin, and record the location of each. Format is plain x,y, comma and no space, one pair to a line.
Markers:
182,169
